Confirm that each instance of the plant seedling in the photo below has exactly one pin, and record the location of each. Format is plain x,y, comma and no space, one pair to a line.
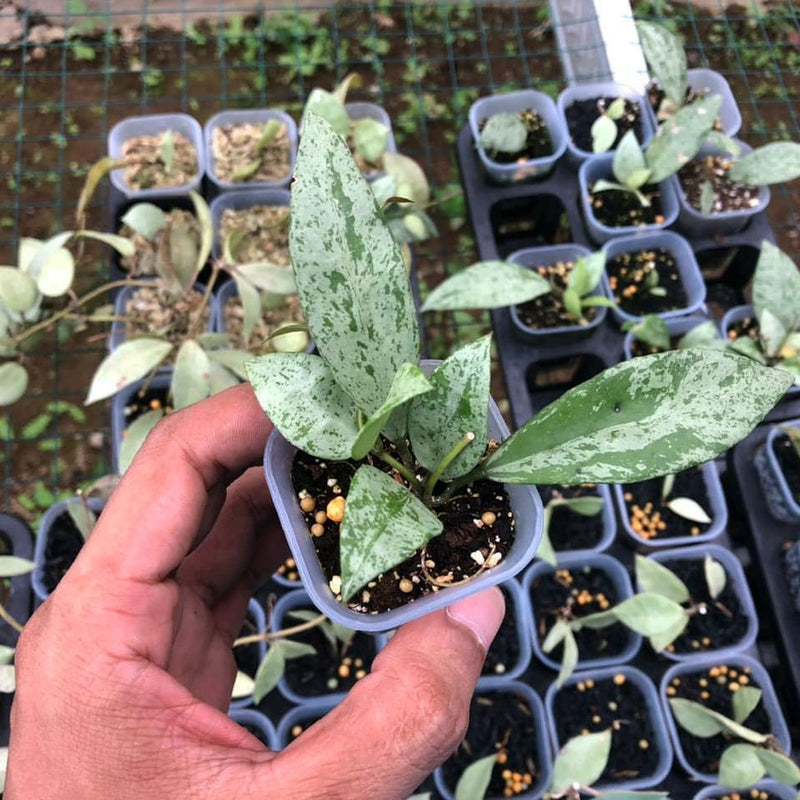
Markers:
475,780
366,400
682,506
585,506
10,567
503,133
604,128
652,330
268,135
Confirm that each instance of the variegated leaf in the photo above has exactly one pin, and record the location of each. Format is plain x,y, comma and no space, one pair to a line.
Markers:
777,162
581,761
191,380
776,286
666,58
135,435
129,362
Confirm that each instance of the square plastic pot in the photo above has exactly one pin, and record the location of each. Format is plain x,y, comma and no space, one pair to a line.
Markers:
534,257
778,495
654,709
513,102
152,125
255,116
597,167
239,200
255,719
18,540
693,223
525,503
257,613
773,787
591,91
578,559
677,326
685,262
760,678
309,712
40,548
544,757
287,603
735,578
718,514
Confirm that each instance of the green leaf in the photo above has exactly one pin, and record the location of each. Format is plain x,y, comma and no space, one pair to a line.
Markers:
649,416
504,133
487,284
6,654
410,177
220,378
289,337
251,304
616,108
776,286
778,766
409,382
17,290
458,405
191,379
269,673
678,140
745,702
135,434
581,760
168,150
211,341
300,394
37,426
121,244
650,614
572,303
724,142
569,658
326,105
83,517
555,635
349,270
651,576
689,509
546,551
146,219
243,686
270,277
13,382
604,133
585,506
746,346
704,723
740,767
383,525
777,162
203,214
603,185
11,566
474,781
771,332
652,330
129,362
707,196
587,272
715,575
629,166
666,59
370,138
233,360
703,335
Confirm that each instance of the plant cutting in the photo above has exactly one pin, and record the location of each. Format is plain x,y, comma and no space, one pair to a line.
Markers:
164,160
570,506
653,334
508,137
249,656
389,476
249,152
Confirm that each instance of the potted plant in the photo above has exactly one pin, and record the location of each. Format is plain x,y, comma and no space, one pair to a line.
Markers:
778,465
518,135
763,790
158,154
251,147
653,334
510,651
16,564
629,191
248,656
366,370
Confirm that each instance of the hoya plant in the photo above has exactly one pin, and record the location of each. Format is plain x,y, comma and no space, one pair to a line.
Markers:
589,506
652,331
504,133
415,440
604,129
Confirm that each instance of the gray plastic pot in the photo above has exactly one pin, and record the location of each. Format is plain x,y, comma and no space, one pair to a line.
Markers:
255,116
257,613
780,500
677,327
735,578
544,756
598,167
534,257
17,539
152,125
513,102
685,262
255,719
760,679
518,603
287,603
40,548
773,787
591,91
525,503
655,711
718,512
309,712
693,223
575,560
240,199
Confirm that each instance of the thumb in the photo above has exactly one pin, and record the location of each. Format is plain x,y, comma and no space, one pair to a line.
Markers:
402,720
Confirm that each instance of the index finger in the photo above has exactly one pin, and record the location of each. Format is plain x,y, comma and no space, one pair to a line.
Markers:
153,518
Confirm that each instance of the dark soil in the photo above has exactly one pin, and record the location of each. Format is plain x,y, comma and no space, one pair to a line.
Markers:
146,399
329,670
504,652
569,530
649,516
617,209
752,794
616,703
547,311
728,196
579,592
789,462
289,571
500,722
247,656
582,114
448,557
712,688
257,732
539,143
64,542
744,327
639,348
633,276
724,622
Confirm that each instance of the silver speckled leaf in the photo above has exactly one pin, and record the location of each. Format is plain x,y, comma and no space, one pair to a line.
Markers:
776,286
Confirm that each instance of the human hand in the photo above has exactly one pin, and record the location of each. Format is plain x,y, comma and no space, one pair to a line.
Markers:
124,674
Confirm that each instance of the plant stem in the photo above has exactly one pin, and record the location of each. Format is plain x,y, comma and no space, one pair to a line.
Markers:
6,617
405,454
472,475
448,459
282,634
206,297
395,464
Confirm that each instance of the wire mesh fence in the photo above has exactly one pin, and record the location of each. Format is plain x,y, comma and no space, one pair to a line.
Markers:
66,79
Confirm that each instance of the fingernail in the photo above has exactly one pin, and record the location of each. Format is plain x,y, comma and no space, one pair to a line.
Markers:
482,613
